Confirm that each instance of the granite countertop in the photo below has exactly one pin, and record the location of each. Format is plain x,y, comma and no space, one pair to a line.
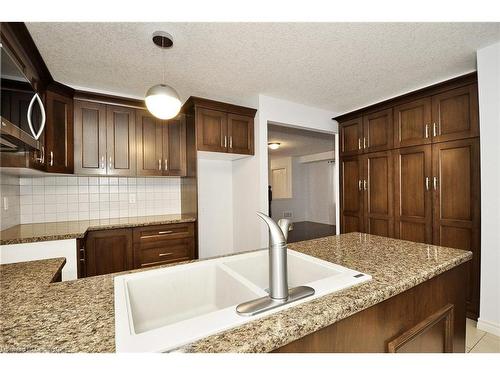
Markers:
63,230
78,316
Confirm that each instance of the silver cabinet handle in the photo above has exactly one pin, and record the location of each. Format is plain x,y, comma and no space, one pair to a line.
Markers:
102,162
426,130
165,232
359,143
231,141
364,142
30,110
225,141
427,183
435,183
110,163
164,254
434,129
41,159
51,162
360,185
166,164
365,184
159,164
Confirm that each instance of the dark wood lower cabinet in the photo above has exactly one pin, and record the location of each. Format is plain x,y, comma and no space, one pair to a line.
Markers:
108,251
429,317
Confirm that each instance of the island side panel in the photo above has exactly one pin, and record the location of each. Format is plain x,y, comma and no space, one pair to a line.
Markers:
415,321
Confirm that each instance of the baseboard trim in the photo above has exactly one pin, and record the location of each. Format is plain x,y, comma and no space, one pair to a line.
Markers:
489,327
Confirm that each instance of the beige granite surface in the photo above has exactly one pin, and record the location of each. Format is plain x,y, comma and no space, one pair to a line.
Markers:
78,316
63,230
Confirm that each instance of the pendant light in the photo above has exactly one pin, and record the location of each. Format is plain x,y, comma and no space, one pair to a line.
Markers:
162,100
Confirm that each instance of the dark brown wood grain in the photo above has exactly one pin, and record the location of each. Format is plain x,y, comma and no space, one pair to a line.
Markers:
240,134
370,330
120,141
351,195
412,123
174,146
59,133
413,194
211,130
377,131
351,136
378,193
90,138
108,251
456,197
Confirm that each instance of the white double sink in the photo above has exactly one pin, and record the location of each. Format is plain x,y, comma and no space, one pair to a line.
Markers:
162,309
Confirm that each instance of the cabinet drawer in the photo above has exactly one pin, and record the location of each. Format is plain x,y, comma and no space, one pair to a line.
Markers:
151,235
165,252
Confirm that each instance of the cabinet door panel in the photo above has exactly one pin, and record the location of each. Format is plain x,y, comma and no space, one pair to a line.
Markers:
457,204
109,251
413,197
90,138
240,133
149,144
378,174
174,147
351,195
412,123
211,130
455,114
377,131
59,133
351,133
120,135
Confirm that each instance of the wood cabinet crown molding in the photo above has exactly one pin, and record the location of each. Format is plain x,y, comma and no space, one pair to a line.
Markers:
450,84
195,101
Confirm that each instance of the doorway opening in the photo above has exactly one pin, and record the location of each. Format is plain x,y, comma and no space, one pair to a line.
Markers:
301,175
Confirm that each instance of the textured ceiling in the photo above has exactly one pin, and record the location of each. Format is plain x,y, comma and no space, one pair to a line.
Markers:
335,66
298,142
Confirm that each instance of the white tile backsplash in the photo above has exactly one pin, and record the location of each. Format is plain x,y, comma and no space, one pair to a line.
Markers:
10,198
62,198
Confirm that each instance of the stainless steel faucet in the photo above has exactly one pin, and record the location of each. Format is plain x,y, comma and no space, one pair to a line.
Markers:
279,294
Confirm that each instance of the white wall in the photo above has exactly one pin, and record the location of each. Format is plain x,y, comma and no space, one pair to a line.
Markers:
215,207
320,192
250,175
488,63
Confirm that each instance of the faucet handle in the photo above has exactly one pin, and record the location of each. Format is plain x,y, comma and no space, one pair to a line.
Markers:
285,225
276,233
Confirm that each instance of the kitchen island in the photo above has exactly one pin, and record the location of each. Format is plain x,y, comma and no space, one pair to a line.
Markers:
386,314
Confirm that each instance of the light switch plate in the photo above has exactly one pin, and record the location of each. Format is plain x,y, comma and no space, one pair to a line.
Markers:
5,203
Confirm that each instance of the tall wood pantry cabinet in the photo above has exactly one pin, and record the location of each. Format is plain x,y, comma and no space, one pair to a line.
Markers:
409,169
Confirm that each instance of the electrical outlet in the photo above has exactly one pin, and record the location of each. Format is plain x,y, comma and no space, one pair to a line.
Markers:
5,203
131,198
287,214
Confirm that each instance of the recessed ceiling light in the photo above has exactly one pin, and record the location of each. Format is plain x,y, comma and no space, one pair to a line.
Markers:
274,145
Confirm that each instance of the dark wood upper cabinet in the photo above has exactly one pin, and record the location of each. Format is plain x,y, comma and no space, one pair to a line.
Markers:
378,193
211,128
455,114
221,127
413,194
120,140
377,131
174,146
351,134
240,134
412,123
149,144
90,138
108,251
59,133
456,189
351,194
161,145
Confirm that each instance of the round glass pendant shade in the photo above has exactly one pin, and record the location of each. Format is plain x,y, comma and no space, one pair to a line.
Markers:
163,102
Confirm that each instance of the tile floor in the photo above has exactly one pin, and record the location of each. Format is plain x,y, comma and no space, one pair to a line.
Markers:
477,341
